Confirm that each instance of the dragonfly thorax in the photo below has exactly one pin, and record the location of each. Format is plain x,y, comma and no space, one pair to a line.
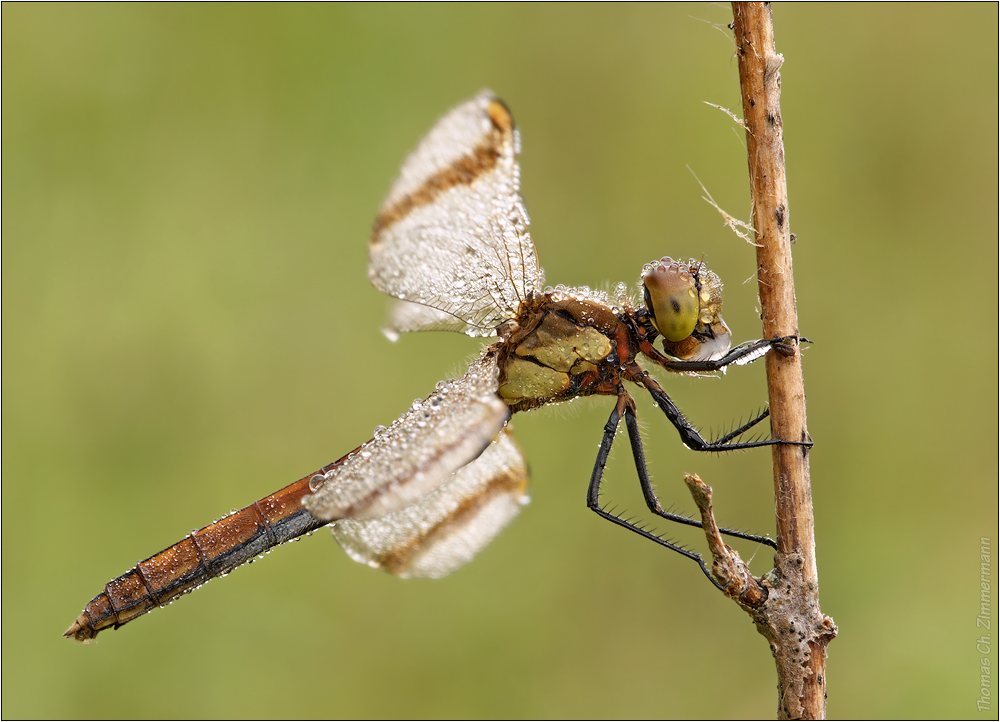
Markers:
559,352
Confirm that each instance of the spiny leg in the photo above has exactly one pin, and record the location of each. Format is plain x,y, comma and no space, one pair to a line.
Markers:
694,440
652,503
742,428
593,491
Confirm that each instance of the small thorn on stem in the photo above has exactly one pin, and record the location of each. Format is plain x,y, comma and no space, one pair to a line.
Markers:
732,572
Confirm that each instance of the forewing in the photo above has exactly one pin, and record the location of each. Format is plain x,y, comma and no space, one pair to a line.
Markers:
424,446
453,232
447,528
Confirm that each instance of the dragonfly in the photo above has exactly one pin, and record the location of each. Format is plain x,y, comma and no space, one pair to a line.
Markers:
451,244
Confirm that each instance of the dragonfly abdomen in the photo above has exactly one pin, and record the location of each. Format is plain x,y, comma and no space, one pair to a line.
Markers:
212,551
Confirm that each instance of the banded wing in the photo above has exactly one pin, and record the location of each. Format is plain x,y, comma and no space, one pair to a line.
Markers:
452,234
418,453
450,526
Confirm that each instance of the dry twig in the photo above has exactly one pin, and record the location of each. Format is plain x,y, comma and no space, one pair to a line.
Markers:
791,619
785,603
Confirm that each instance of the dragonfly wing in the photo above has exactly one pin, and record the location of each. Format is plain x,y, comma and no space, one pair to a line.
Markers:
447,528
453,232
422,448
406,316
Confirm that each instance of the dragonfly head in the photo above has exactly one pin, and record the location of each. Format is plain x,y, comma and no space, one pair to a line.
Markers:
684,301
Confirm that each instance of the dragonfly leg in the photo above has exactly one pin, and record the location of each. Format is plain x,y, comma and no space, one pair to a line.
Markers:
694,440
652,503
738,431
742,354
593,491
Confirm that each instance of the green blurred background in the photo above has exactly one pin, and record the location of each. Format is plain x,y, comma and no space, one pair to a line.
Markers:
187,326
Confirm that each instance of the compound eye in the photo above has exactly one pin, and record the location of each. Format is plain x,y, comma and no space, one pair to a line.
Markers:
671,298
